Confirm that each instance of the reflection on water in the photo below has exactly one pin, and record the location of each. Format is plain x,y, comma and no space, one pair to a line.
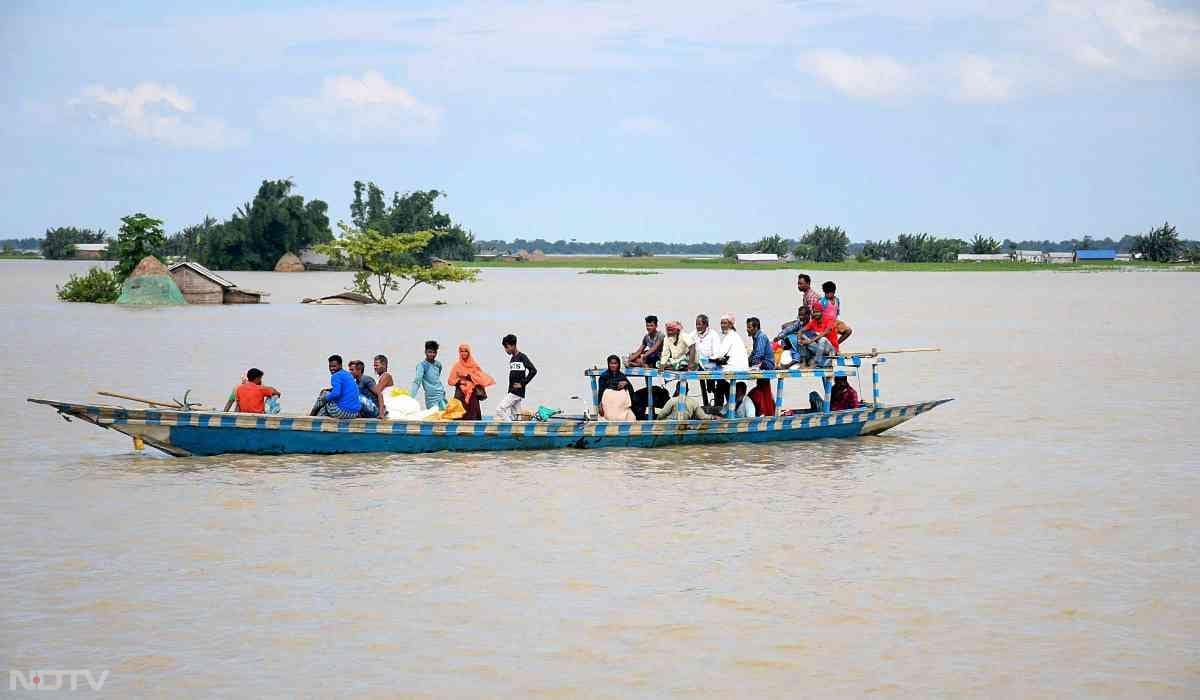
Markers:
1035,537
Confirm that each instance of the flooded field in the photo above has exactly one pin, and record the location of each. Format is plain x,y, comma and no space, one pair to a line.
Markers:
1037,537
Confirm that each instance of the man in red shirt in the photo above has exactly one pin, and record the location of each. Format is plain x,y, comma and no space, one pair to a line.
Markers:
252,395
819,337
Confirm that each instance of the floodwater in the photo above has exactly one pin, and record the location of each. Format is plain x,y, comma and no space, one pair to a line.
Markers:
1036,537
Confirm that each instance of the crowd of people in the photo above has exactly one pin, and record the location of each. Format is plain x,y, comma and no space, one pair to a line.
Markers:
811,340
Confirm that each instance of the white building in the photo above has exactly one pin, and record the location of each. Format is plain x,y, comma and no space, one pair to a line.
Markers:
757,257
984,257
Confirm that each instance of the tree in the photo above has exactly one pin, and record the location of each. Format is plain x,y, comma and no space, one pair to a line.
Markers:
772,244
1086,243
189,243
98,286
922,247
984,246
261,231
824,244
391,260
140,235
59,243
882,250
733,248
1160,244
409,213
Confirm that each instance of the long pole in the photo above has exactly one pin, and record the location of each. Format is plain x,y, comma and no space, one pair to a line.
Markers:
134,398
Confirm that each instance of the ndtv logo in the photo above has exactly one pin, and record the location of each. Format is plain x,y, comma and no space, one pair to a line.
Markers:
55,679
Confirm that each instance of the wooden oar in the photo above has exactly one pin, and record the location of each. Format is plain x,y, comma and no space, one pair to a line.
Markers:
134,398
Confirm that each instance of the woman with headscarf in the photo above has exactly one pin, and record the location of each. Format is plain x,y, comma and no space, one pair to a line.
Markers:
469,380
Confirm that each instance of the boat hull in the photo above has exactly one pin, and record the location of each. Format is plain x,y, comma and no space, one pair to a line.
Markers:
184,433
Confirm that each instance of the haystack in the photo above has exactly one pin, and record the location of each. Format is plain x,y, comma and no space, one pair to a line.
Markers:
150,285
289,262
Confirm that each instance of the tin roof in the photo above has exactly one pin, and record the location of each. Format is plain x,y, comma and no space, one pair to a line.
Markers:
204,272
1108,254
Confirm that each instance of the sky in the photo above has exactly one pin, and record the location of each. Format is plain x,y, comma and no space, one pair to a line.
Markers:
673,121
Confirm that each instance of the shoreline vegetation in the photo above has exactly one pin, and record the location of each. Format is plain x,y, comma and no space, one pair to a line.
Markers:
632,266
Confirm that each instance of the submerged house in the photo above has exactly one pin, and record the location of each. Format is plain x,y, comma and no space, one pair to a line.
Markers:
201,285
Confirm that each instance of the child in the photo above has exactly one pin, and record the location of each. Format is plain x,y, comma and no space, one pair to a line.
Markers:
429,376
520,372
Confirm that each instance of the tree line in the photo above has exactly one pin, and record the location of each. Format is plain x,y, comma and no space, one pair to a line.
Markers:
831,244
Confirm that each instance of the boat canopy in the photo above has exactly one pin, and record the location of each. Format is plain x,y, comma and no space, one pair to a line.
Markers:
840,366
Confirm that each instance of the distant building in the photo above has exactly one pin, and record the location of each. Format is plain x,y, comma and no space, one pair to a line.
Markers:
757,257
1031,256
487,255
1093,255
984,257
1060,258
90,251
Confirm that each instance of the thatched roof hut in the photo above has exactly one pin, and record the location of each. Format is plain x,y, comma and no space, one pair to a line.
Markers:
289,262
150,284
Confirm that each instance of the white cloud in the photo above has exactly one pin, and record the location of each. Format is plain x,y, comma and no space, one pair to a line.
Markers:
642,124
980,81
871,77
1137,38
158,113
356,109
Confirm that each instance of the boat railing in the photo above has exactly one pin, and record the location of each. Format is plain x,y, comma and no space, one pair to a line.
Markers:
838,366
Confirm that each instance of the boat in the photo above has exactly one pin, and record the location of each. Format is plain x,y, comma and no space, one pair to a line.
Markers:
186,433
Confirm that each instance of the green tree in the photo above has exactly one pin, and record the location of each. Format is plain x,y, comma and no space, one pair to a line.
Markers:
409,213
984,246
775,244
189,242
825,244
259,232
1160,244
392,261
140,235
59,243
98,286
881,250
733,248
1086,243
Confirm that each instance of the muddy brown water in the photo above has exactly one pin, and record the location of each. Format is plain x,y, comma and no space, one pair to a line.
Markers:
1036,537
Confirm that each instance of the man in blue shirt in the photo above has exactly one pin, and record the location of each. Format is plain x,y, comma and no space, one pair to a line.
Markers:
762,356
429,377
341,400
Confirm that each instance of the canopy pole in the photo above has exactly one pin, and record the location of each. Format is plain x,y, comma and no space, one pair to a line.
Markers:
595,396
875,382
650,398
729,399
778,395
827,383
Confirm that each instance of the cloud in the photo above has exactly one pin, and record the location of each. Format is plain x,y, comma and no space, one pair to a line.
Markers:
869,77
356,109
1137,38
642,124
980,81
158,113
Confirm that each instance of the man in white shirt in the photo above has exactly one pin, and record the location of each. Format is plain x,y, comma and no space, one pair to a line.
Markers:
707,345
731,354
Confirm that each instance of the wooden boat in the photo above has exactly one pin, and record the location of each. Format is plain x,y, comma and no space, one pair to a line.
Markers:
185,433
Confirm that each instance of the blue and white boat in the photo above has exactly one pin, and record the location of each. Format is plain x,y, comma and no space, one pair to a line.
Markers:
185,433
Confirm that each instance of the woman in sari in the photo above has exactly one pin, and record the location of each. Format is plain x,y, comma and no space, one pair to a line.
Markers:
468,380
